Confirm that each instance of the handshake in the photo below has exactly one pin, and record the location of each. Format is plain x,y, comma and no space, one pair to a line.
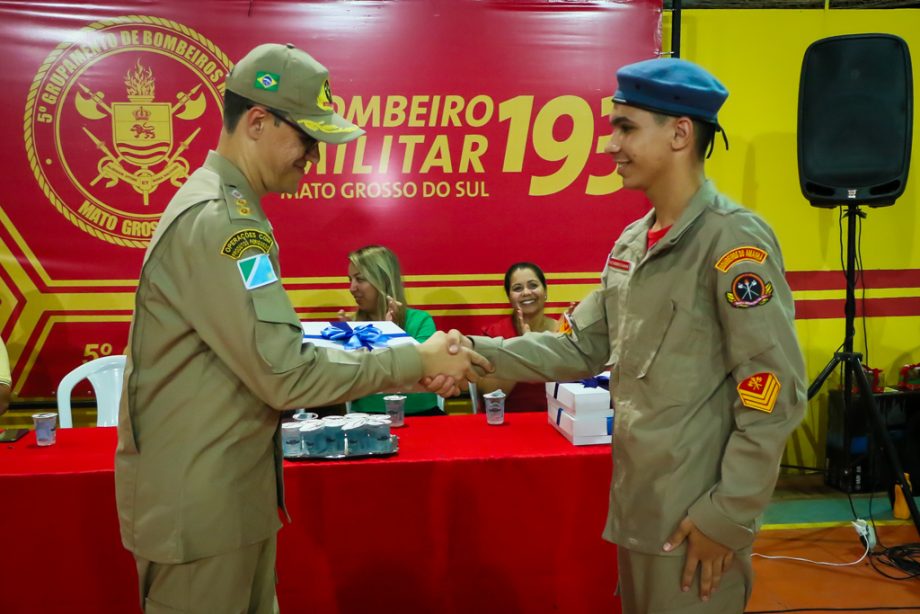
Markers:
449,363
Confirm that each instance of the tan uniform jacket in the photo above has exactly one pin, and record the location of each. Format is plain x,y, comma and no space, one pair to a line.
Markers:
680,345
197,472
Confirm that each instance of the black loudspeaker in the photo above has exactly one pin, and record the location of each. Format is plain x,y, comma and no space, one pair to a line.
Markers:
855,120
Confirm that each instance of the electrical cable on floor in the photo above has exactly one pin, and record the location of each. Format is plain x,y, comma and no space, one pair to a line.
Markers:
804,560
905,558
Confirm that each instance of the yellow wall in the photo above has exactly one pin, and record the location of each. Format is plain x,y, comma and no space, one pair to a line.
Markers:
758,55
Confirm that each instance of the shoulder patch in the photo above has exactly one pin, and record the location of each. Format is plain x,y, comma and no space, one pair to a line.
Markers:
740,254
239,242
257,271
749,290
759,391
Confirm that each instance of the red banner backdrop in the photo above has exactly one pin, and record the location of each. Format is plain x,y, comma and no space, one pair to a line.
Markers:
485,121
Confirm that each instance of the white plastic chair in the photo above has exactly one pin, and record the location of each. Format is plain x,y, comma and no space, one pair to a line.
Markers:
105,374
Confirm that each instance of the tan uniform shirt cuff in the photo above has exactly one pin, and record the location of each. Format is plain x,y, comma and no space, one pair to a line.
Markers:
715,525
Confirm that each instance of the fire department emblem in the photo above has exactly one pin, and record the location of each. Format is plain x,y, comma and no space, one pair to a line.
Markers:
749,290
114,122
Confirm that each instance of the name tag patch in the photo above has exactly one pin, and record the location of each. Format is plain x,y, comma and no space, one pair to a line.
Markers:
759,391
620,265
257,271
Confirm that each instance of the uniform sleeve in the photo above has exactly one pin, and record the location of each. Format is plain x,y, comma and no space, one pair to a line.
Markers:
246,319
548,356
761,352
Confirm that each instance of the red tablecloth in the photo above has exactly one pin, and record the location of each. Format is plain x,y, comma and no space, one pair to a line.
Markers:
466,518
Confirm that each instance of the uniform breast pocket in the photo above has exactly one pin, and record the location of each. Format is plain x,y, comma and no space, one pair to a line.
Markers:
643,340
668,353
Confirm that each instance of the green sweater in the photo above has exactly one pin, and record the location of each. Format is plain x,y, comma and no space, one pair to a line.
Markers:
419,326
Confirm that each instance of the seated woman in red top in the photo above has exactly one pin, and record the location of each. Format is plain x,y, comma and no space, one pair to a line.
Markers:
525,286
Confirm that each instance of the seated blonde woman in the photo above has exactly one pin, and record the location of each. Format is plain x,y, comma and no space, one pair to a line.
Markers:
525,286
375,282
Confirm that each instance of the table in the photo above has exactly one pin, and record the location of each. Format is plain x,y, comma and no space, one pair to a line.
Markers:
465,518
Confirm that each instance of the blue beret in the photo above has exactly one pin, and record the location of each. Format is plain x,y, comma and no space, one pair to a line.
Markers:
673,87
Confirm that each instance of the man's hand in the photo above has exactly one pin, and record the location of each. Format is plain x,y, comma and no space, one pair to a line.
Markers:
456,340
447,371
712,557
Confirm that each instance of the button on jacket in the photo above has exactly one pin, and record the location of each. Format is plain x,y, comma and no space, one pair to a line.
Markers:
212,354
693,328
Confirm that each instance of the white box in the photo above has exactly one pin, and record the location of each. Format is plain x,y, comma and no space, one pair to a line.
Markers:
578,399
312,333
580,430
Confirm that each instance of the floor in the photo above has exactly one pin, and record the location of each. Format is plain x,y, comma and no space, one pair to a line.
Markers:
809,520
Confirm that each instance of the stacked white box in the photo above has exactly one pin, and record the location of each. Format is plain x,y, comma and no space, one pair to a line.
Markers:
581,413
578,399
581,430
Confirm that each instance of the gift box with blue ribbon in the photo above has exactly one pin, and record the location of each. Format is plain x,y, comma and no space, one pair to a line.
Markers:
354,335
595,428
585,397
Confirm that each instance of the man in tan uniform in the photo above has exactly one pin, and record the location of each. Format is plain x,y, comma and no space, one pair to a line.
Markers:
696,318
216,348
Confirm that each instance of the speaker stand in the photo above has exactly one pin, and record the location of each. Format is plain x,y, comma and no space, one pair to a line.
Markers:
852,368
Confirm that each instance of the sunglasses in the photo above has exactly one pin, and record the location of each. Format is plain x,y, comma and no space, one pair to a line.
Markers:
308,141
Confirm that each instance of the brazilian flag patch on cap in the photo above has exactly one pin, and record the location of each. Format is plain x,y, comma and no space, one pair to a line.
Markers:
267,81
257,271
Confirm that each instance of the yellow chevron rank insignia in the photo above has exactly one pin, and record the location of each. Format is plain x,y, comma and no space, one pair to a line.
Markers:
759,391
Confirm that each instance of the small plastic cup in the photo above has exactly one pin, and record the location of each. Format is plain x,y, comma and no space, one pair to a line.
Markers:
495,407
396,409
356,436
290,438
45,428
335,438
313,437
378,434
302,415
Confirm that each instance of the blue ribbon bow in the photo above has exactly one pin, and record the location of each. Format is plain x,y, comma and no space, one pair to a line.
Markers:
361,336
601,381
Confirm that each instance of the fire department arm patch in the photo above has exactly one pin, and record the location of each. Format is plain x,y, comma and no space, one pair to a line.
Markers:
759,391
749,290
235,246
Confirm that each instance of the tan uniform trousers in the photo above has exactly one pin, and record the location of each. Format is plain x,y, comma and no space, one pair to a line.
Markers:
237,582
650,584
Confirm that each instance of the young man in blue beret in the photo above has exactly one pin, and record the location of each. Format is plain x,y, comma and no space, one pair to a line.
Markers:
696,319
